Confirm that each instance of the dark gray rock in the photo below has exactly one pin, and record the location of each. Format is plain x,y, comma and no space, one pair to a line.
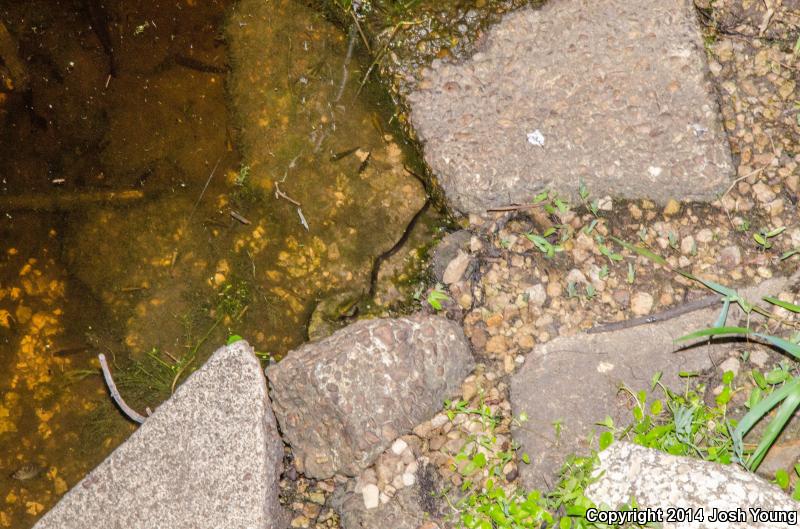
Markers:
209,457
661,481
410,508
610,92
576,379
342,400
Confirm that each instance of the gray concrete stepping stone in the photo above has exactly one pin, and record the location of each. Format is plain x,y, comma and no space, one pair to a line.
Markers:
208,458
706,495
614,93
575,380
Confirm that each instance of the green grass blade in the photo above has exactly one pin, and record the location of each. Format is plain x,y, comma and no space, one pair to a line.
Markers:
641,250
783,304
714,331
791,348
716,287
762,408
723,315
785,412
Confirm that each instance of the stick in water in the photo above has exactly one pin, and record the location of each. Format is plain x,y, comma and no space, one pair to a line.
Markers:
127,410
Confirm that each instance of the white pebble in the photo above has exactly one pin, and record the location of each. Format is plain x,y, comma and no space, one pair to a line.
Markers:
409,479
536,138
371,496
439,420
399,446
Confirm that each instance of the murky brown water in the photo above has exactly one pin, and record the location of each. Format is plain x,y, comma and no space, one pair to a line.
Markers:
143,218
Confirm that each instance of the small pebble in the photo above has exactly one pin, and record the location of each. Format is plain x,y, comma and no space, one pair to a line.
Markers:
398,447
371,495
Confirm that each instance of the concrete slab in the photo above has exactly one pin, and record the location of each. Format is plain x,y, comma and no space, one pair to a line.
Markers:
207,458
660,481
614,93
575,380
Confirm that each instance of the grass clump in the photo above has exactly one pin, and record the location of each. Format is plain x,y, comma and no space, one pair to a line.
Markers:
486,499
151,379
677,423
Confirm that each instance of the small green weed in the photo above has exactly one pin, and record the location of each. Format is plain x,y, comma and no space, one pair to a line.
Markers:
763,237
543,245
594,205
606,251
436,297
487,501
790,253
673,240
591,292
242,176
551,202
631,277
743,226
680,424
572,290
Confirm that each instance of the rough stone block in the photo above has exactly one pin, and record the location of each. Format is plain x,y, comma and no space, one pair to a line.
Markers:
614,93
662,481
342,400
209,457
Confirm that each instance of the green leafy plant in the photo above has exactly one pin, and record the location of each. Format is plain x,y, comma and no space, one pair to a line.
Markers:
743,226
673,240
436,297
594,205
487,501
680,423
572,290
543,245
242,175
790,253
591,292
763,237
590,228
551,202
606,251
787,395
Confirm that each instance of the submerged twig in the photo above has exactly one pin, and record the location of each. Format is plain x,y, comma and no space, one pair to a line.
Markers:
346,65
281,194
302,218
203,192
112,388
363,37
383,50
236,216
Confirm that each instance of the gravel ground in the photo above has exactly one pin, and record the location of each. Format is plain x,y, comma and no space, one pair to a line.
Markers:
515,297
